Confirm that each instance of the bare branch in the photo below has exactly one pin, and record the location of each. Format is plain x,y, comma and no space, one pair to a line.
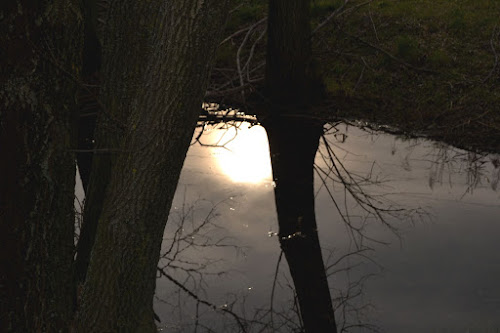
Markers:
202,301
493,40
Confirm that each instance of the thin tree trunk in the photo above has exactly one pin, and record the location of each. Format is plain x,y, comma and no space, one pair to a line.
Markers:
291,86
291,78
156,61
293,144
40,61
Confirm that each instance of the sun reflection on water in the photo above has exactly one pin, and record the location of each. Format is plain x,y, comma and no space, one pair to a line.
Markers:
246,159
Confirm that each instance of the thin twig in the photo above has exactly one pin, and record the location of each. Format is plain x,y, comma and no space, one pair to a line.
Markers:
494,36
387,53
274,288
202,301
239,32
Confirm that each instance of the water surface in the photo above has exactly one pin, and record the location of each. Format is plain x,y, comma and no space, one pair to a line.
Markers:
439,275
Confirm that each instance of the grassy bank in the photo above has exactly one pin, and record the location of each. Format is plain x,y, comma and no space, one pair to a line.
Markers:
429,67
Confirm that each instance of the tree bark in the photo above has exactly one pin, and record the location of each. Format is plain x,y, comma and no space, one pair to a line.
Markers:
90,109
293,143
291,87
291,78
88,99
156,61
40,62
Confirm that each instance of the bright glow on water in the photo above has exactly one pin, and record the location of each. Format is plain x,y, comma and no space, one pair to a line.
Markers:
245,158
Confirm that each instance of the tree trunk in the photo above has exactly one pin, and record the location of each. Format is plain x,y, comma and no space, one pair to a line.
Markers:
291,87
291,78
40,61
89,109
156,61
88,100
293,143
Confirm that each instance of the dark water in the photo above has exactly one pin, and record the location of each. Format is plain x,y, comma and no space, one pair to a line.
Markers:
440,275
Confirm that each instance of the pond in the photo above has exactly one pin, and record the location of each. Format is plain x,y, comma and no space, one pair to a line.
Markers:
431,265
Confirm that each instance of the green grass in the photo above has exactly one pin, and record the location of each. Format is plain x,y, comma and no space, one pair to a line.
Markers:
445,89
421,65
247,12
321,8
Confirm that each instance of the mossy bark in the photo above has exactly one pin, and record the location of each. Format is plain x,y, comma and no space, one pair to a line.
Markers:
40,63
156,61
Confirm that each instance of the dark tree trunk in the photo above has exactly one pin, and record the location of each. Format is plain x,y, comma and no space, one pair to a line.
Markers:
40,62
156,60
293,143
95,168
291,78
90,108
95,192
291,87
88,101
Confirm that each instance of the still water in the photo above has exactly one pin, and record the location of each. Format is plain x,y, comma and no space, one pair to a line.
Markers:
432,266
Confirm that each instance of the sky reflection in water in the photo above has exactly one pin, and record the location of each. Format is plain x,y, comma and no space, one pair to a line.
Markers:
442,277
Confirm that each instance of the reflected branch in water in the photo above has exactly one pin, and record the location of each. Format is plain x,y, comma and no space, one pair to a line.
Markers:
193,229
407,164
271,310
212,306
375,207
348,297
479,168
